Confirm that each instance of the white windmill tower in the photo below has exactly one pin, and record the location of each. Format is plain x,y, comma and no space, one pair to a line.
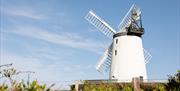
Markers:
125,57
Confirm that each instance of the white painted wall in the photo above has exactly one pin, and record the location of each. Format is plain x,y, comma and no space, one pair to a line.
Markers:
129,61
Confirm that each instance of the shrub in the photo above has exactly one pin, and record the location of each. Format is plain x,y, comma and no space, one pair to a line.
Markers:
174,82
20,86
3,87
160,87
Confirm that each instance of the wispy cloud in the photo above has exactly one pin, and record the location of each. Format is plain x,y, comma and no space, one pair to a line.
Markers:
46,55
72,40
23,12
59,69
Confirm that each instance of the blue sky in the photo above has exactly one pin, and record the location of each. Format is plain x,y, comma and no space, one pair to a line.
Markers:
53,39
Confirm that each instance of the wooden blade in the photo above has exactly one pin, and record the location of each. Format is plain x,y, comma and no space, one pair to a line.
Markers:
128,18
100,24
147,56
105,61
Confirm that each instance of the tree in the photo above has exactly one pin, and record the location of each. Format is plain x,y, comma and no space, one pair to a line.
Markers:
174,82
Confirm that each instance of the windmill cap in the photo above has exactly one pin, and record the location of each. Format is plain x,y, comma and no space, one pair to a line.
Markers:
125,33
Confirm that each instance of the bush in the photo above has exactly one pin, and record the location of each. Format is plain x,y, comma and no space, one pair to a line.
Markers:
172,85
3,87
20,86
174,82
90,86
160,87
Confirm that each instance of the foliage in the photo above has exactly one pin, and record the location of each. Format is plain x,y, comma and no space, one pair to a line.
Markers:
106,87
72,88
20,86
174,82
9,73
127,88
3,87
160,87
34,86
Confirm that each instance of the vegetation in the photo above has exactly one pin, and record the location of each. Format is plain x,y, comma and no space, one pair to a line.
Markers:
173,84
106,87
20,86
153,87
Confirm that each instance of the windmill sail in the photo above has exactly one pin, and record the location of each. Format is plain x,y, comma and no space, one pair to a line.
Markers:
133,13
147,56
105,61
100,24
126,58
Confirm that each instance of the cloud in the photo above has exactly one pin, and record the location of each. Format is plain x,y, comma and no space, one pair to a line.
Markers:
23,12
48,62
72,40
61,70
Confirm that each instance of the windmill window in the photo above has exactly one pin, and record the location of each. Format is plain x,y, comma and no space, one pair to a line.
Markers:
115,52
116,41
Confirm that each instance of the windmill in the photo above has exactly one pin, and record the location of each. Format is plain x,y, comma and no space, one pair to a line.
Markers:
125,57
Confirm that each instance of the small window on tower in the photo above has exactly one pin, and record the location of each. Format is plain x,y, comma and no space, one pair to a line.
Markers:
115,52
116,41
